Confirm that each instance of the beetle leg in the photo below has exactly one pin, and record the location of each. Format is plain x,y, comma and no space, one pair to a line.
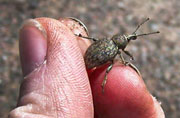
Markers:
133,67
105,77
90,38
126,63
127,53
121,57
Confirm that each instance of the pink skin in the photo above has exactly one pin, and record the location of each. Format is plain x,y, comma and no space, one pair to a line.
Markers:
125,94
56,82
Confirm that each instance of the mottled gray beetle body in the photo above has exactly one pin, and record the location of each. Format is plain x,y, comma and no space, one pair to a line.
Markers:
100,52
104,50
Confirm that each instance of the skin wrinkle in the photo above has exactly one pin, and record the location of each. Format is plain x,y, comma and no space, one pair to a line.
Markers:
59,102
57,80
44,105
67,73
78,67
54,93
51,94
68,100
21,114
75,77
56,73
29,79
34,71
64,78
34,99
60,55
43,85
83,83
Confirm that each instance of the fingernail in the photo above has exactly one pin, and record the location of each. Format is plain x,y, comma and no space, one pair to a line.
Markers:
32,45
77,27
80,23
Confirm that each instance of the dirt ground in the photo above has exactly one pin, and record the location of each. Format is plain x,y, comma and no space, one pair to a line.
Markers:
157,56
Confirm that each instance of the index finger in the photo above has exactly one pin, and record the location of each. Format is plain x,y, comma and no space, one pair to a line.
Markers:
125,95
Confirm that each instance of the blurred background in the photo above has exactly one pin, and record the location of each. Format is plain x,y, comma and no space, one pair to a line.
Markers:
156,56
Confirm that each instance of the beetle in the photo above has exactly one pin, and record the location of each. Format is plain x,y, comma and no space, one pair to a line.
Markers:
105,50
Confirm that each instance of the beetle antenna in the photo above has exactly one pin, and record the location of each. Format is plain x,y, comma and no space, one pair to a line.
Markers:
140,25
148,33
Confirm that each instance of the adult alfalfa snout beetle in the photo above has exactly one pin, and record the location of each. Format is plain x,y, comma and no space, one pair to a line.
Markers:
105,50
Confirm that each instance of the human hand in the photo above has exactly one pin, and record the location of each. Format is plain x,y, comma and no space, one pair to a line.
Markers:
56,83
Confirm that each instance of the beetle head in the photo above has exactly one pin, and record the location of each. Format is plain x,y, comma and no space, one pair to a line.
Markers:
122,41
131,37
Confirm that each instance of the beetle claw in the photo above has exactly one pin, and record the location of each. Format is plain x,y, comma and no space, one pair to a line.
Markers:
133,67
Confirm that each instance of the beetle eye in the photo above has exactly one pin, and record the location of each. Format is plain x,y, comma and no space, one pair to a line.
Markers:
133,37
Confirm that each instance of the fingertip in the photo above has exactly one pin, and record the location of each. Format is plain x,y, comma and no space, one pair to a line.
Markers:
159,113
125,94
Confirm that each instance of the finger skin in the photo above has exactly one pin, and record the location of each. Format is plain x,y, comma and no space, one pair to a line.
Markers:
59,87
125,95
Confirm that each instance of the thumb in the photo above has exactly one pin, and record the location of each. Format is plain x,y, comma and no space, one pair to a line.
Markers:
55,82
